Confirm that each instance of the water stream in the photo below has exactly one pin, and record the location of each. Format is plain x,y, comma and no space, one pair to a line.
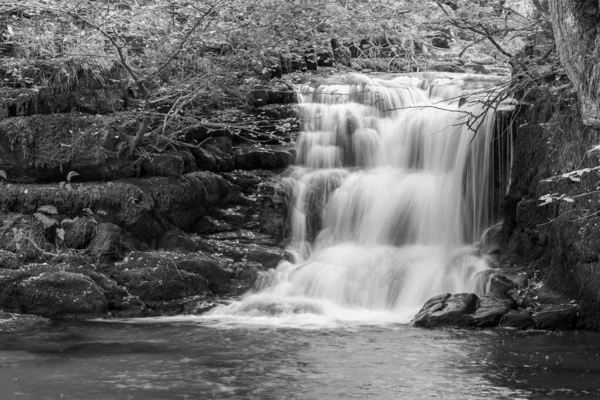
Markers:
392,187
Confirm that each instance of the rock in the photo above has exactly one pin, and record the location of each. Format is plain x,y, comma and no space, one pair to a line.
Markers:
447,67
8,260
107,241
447,310
175,240
161,283
47,147
440,42
501,284
12,323
52,294
263,159
215,271
22,235
519,319
268,257
166,164
547,296
260,97
80,233
491,309
556,317
246,275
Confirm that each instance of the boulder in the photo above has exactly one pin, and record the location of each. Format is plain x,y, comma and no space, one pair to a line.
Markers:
161,283
22,235
175,240
13,323
556,317
215,271
263,159
51,294
80,233
106,243
166,164
491,309
519,319
452,310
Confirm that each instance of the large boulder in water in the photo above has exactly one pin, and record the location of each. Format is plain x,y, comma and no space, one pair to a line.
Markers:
447,310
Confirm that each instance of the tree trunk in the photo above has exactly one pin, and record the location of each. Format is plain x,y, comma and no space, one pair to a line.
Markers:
576,25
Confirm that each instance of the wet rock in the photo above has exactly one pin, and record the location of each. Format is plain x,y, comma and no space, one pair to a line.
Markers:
52,294
501,284
519,319
491,308
263,159
107,241
79,233
556,317
268,257
215,271
245,277
447,310
12,323
546,295
160,283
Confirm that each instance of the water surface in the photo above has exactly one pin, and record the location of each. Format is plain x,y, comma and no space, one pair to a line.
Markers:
199,359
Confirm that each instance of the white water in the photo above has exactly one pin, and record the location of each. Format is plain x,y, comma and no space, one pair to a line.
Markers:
392,187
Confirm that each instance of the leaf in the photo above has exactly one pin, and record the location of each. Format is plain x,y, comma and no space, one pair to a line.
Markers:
68,186
575,178
47,222
67,221
60,232
3,174
88,211
48,210
568,199
61,185
70,175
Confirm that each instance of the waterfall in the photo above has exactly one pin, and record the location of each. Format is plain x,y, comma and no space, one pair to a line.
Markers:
392,186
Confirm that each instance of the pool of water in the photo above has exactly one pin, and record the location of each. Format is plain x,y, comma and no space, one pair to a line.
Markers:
199,359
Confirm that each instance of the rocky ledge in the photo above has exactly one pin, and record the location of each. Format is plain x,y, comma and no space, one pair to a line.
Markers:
515,299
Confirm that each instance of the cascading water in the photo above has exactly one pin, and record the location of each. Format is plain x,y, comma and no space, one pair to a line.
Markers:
392,185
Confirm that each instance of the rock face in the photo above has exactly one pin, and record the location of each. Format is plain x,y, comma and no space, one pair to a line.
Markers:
560,238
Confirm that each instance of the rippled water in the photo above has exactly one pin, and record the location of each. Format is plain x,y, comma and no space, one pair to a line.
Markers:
196,359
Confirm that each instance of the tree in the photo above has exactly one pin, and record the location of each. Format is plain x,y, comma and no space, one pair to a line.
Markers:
576,25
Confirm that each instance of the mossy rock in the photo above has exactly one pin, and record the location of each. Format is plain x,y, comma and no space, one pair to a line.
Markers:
23,235
51,294
161,283
47,147
215,270
145,207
